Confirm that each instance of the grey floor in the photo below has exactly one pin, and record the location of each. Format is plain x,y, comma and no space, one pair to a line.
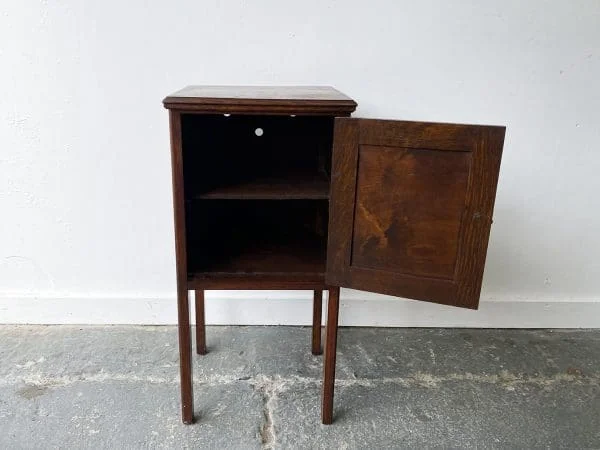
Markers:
117,387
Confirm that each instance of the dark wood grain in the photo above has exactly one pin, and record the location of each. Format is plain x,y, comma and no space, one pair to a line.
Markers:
266,258
316,325
314,100
428,135
479,209
210,281
183,306
411,206
343,193
200,322
333,307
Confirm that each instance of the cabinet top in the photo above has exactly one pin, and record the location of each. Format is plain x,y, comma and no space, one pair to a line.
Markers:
261,99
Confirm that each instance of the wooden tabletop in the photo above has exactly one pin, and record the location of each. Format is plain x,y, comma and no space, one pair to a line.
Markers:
272,99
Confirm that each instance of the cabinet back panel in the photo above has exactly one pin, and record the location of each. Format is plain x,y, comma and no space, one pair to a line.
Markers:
220,150
257,237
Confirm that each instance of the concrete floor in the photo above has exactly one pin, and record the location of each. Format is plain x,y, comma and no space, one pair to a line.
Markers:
117,387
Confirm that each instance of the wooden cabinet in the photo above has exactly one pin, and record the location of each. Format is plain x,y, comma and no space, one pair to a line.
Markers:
278,188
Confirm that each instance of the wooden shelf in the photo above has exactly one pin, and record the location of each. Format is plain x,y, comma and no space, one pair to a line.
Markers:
293,186
266,260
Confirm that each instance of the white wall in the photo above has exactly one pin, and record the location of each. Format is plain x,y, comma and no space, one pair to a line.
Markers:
86,229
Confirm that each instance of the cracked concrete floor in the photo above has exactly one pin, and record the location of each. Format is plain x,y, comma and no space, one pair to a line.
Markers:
259,387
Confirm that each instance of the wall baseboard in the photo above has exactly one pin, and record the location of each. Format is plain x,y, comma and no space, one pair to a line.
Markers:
294,308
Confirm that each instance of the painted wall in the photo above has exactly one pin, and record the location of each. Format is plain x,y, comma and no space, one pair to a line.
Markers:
86,229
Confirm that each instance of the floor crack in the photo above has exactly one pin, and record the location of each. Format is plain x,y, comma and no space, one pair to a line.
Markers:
275,385
269,389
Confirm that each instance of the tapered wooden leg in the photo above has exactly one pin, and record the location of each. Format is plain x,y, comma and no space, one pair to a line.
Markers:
333,306
200,326
316,325
185,356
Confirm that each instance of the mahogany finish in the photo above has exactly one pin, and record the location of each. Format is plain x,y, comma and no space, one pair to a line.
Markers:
276,188
183,305
316,325
313,100
412,204
280,281
333,308
200,325
251,186
413,230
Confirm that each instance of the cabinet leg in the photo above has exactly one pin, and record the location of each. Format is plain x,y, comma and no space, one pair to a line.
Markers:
200,326
185,356
316,325
333,306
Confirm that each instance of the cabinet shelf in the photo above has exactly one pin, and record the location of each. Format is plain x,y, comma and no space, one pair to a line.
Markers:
292,186
261,238
298,259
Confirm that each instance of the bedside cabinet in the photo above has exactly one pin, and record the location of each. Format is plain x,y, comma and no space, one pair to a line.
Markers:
278,188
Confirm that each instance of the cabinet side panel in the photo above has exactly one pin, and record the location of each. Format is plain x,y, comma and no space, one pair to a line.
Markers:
183,307
178,198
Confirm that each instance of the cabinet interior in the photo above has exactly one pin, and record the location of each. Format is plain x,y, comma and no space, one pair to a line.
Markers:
256,190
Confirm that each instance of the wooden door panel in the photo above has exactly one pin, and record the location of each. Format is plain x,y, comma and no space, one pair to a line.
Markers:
411,207
412,230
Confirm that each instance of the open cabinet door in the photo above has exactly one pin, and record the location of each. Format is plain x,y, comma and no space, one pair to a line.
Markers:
411,208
